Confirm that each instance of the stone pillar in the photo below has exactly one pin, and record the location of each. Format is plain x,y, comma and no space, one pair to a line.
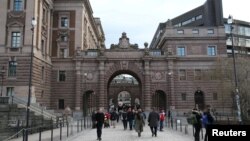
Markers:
78,96
102,90
171,83
147,95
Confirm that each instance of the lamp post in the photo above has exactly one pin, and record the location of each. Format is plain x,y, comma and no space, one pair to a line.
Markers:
33,24
236,92
85,101
2,74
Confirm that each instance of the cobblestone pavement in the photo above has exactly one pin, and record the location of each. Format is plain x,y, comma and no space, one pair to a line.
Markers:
118,134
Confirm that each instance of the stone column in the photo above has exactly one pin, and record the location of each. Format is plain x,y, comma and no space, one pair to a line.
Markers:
147,95
102,90
78,96
171,83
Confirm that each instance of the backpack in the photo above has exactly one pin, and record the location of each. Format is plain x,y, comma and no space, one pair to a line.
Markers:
192,119
162,116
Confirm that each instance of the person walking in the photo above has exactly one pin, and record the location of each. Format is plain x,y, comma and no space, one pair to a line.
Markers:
99,123
207,119
139,123
162,119
124,119
153,120
130,118
197,125
113,118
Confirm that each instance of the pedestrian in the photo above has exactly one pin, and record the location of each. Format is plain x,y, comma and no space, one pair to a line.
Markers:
153,120
197,124
162,119
139,123
124,119
113,118
130,118
99,123
207,119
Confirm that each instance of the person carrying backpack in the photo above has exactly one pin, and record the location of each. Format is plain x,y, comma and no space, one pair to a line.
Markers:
207,119
197,123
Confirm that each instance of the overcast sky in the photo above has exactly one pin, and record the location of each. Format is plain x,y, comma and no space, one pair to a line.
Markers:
140,18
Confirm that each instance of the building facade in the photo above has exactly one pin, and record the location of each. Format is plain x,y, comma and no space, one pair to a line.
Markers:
62,27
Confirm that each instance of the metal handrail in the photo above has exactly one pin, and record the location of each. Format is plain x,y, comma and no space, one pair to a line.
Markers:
34,108
9,138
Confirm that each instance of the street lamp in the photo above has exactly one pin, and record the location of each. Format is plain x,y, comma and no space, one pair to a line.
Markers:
2,74
237,96
33,24
85,101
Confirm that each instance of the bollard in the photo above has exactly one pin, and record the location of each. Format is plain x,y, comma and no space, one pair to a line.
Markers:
171,120
67,129
186,129
52,131
176,124
81,124
40,133
60,131
18,121
77,126
180,126
24,136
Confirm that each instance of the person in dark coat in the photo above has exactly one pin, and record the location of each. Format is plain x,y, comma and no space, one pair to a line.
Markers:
153,120
124,119
139,123
130,118
99,116
197,125
207,119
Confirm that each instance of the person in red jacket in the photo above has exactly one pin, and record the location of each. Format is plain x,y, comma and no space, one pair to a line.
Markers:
162,119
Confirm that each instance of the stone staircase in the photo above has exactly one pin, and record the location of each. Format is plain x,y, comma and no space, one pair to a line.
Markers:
13,118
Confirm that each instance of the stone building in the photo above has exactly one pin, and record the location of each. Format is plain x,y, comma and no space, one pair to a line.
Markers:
62,28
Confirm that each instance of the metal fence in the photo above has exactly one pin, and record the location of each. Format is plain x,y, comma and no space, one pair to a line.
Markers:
60,130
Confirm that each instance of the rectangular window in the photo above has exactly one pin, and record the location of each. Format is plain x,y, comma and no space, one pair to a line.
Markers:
62,76
211,50
64,38
182,75
197,74
12,69
15,39
42,47
215,96
195,31
43,73
63,53
18,5
61,104
183,96
210,31
180,31
64,22
10,91
181,51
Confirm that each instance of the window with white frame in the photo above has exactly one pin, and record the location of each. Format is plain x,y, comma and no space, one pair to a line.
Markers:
63,53
211,51
18,5
10,91
64,21
210,31
12,69
15,39
181,51
64,38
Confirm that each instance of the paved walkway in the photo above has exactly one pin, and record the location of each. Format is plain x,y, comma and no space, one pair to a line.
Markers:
118,134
